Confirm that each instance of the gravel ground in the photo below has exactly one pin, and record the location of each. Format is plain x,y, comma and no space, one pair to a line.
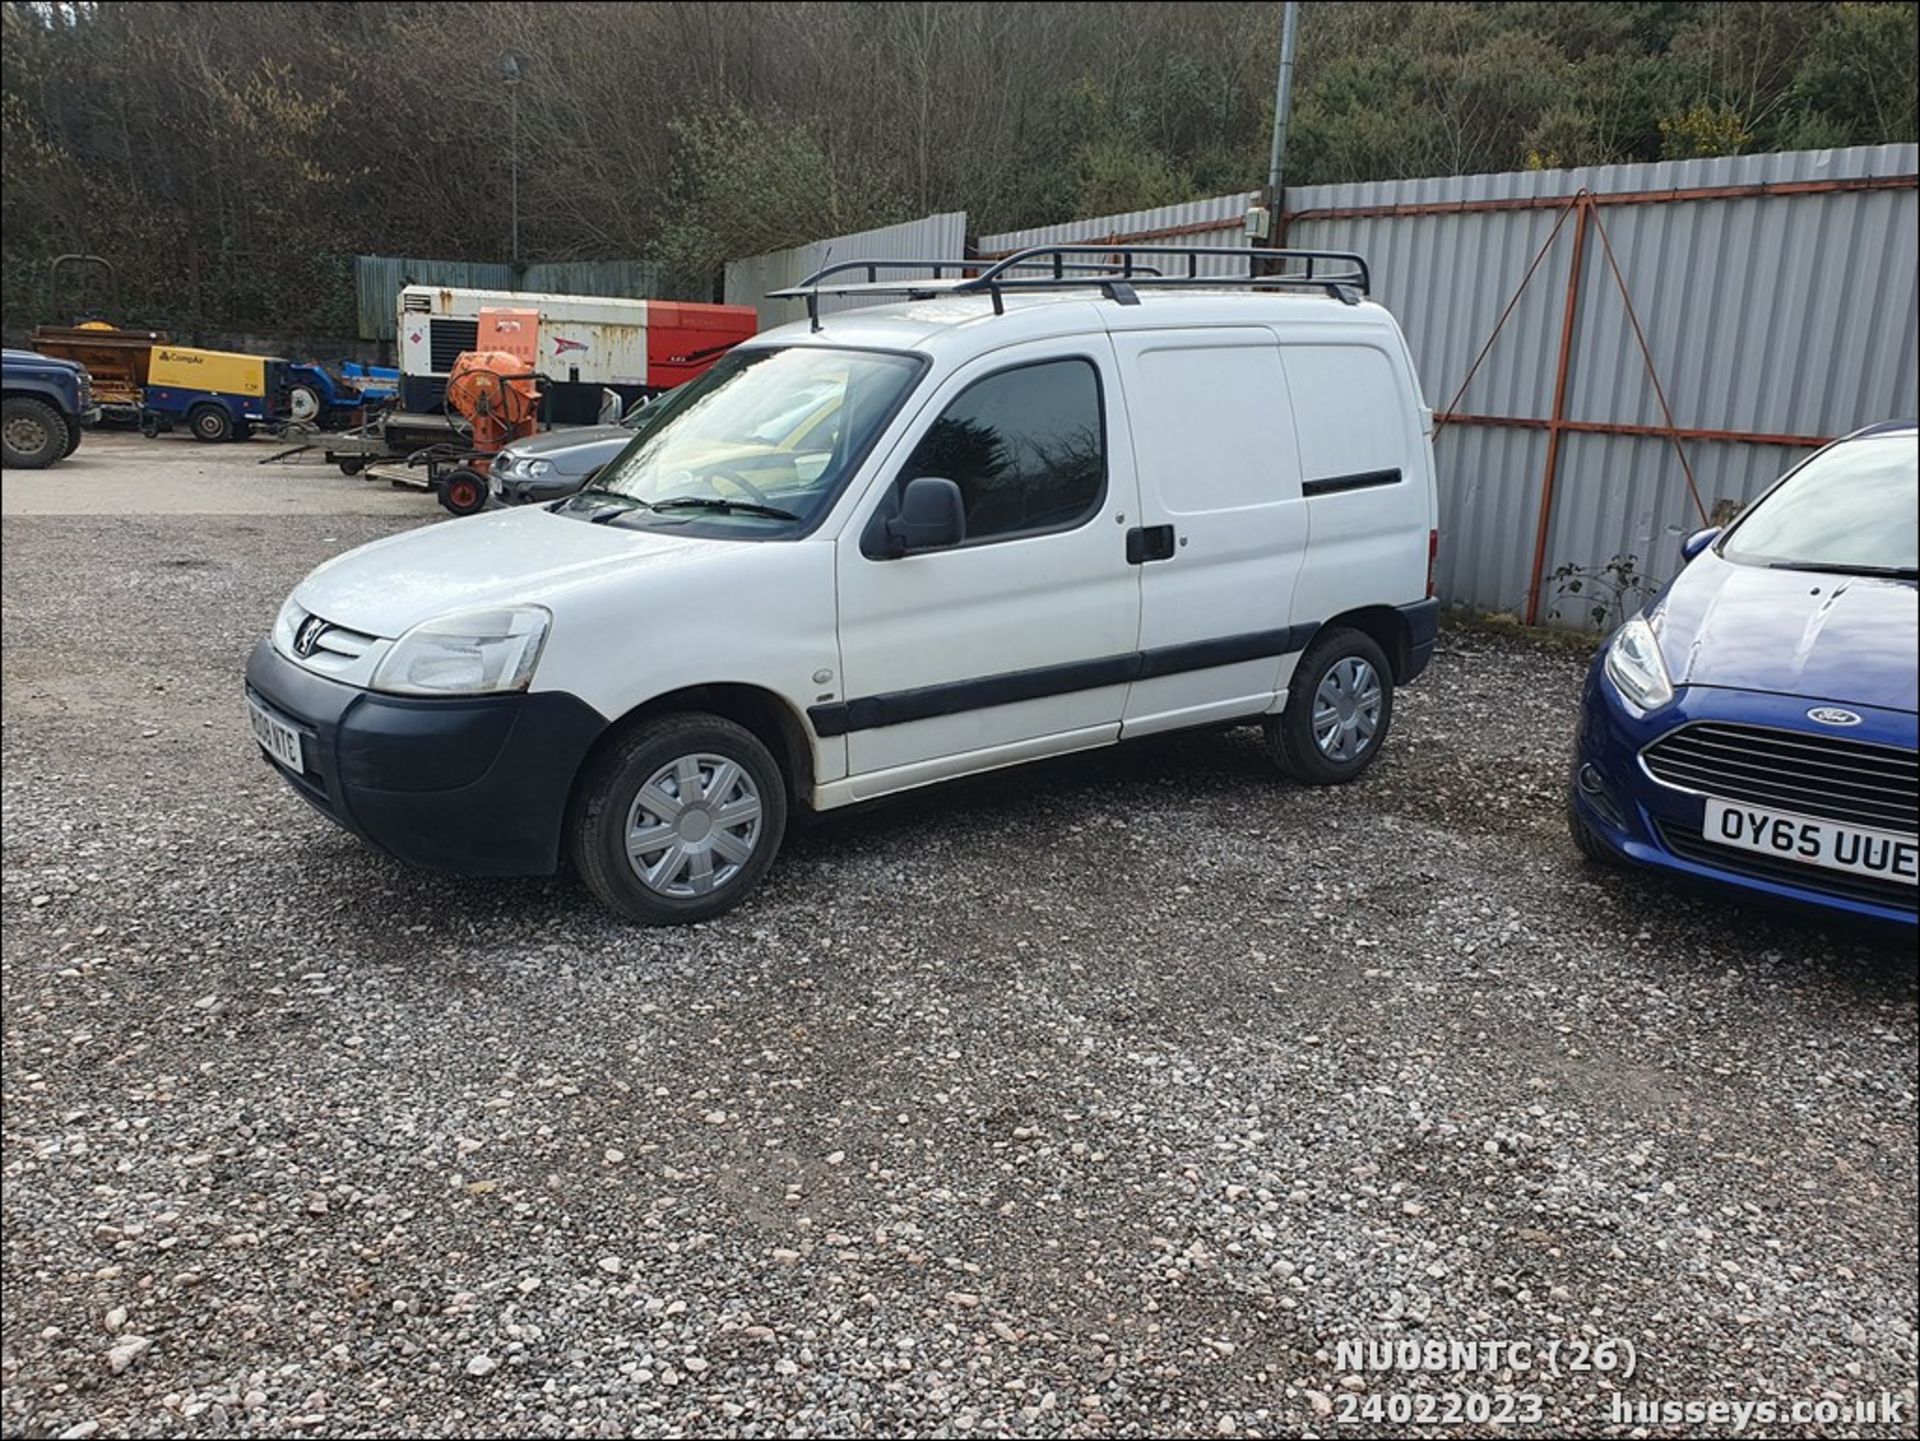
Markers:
1105,1097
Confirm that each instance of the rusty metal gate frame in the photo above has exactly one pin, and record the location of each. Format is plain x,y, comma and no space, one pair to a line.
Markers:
1586,205
1581,205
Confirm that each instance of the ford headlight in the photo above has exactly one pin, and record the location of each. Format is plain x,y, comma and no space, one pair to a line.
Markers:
1635,667
472,652
285,624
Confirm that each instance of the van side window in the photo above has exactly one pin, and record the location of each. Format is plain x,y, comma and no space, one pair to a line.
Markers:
1027,447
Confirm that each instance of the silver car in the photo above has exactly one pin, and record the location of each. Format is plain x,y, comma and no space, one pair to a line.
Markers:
556,463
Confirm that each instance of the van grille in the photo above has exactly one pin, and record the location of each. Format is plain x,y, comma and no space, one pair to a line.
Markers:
1812,775
334,648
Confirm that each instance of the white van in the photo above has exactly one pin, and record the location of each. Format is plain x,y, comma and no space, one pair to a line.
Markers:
1018,515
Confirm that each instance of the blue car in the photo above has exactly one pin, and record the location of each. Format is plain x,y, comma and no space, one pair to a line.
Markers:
1755,725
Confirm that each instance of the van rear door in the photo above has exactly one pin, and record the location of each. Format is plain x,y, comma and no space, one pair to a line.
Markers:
1222,528
1365,471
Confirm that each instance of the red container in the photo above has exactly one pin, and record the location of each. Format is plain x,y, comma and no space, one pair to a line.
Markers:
684,339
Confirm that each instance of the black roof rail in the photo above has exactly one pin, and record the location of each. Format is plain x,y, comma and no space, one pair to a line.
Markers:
1116,271
915,287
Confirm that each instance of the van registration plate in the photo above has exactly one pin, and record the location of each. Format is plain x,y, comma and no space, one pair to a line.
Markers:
276,737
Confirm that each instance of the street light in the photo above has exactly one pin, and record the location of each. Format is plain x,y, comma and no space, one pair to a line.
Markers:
510,77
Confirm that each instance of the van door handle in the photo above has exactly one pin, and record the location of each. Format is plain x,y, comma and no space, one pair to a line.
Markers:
1149,542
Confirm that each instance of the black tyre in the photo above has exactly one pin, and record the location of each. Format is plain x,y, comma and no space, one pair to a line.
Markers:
351,465
210,422
35,434
678,819
1590,846
149,424
73,437
1339,706
463,491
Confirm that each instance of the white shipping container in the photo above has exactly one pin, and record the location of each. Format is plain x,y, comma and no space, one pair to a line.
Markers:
584,339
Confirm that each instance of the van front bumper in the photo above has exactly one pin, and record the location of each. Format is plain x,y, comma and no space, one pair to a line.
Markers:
474,785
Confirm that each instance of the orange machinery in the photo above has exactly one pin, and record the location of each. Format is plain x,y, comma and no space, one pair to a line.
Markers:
498,396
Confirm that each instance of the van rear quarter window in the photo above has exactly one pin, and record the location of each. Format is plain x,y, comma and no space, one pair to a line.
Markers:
1354,413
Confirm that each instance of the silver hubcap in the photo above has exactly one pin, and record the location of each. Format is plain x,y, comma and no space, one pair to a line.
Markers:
693,825
1346,709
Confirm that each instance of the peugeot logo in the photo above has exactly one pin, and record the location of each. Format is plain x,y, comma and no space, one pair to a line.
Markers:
311,629
1832,715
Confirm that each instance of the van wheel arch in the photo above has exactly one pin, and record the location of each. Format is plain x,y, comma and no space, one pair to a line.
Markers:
771,720
1385,627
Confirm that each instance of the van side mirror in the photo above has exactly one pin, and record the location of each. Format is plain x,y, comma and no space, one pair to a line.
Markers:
1699,541
932,516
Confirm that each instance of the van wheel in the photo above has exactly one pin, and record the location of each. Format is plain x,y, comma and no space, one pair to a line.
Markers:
1339,706
679,819
210,422
35,433
463,491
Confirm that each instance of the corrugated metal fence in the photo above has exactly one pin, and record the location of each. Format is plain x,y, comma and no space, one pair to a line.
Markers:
378,280
748,281
1777,295
1778,299
1220,221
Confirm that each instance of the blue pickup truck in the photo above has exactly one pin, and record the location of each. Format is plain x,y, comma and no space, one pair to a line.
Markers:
46,405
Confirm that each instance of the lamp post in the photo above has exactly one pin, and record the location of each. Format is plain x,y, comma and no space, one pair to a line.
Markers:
510,77
1282,102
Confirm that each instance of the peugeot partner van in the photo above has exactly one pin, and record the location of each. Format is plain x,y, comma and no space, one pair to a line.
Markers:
1039,508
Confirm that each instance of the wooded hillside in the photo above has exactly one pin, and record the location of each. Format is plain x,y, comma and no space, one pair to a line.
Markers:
242,153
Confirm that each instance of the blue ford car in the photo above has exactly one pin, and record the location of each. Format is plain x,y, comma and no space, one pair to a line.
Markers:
1755,725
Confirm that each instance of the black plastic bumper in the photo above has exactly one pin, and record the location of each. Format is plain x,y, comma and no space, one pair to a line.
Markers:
1423,624
475,786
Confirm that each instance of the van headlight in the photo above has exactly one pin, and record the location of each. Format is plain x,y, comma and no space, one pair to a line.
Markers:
1635,668
286,624
471,652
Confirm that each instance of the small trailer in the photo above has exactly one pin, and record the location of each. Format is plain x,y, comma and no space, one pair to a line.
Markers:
587,344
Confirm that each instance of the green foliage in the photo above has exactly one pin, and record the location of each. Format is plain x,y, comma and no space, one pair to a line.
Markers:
1703,129
744,184
1607,593
1858,82
230,159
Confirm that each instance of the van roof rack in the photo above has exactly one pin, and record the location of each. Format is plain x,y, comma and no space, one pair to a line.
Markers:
1116,271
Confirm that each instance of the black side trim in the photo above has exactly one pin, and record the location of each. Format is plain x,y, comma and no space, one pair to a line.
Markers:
899,707
1334,484
1224,650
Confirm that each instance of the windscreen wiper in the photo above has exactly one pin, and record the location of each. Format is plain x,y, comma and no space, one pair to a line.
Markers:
608,512
717,503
